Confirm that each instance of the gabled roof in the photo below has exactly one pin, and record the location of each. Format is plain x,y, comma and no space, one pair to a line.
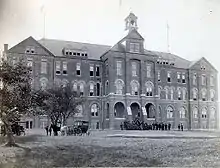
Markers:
29,40
199,60
56,47
134,34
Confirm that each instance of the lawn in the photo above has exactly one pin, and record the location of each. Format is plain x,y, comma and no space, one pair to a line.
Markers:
99,150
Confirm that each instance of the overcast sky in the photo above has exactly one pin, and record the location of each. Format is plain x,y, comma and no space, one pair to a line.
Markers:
194,30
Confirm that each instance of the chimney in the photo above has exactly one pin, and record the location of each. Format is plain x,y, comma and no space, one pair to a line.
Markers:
5,48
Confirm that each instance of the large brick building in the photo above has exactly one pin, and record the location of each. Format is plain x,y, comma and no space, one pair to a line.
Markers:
124,81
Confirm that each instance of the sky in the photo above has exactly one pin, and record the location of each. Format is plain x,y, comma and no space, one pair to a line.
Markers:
194,25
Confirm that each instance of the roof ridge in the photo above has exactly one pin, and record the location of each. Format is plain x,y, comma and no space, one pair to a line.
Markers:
74,42
170,54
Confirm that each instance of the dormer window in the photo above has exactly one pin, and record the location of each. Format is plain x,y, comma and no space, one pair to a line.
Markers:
135,47
30,50
78,54
74,54
70,53
83,54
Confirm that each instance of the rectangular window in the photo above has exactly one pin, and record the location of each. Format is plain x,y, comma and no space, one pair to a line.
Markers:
91,70
168,77
135,47
97,71
78,72
158,76
183,78
65,68
148,71
118,67
14,61
57,67
179,94
30,64
44,66
194,79
134,68
91,90
203,80
212,81
178,77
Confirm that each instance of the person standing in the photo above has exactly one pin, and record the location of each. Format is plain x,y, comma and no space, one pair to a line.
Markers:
47,129
121,126
165,126
181,126
50,130
169,126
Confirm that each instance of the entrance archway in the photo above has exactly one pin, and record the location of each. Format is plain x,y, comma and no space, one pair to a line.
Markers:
119,110
136,111
150,109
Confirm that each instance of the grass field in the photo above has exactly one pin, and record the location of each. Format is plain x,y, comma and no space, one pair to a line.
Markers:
99,150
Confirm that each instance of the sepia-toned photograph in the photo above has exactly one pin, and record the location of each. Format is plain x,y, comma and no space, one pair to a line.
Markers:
109,83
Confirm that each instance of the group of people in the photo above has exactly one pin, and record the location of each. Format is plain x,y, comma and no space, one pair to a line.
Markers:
160,126
180,126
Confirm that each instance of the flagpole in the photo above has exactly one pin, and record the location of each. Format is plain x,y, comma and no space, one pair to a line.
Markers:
44,20
168,40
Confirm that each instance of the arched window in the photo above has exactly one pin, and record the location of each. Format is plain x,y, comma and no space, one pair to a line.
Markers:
149,88
106,88
159,91
43,83
81,88
98,89
204,112
169,112
212,113
194,79
182,112
134,87
171,93
195,93
212,95
184,93
75,86
119,86
203,91
195,112
179,93
166,92
94,110
79,112
160,112
91,89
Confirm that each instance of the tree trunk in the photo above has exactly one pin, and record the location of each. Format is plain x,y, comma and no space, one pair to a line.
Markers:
10,137
64,121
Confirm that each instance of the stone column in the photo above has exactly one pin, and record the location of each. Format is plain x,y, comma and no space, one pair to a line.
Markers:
111,114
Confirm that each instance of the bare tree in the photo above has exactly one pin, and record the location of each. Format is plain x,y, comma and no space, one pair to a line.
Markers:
15,94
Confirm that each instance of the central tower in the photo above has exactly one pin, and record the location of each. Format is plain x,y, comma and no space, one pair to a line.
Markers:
131,22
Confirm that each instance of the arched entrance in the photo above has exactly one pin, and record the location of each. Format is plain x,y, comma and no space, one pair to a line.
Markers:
150,109
119,110
136,111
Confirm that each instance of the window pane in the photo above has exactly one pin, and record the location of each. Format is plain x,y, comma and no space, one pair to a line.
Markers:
44,67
